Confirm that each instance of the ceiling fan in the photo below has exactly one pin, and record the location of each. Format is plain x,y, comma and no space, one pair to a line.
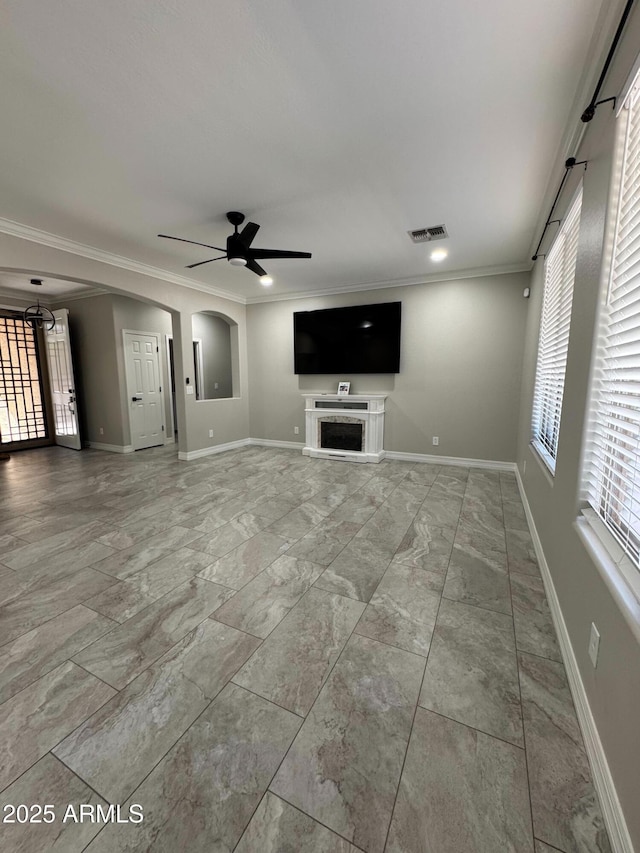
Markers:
239,251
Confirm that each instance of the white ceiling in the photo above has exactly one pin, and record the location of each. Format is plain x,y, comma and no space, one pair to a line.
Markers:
336,125
50,290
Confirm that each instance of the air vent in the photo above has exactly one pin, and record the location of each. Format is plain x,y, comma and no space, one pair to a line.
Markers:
425,235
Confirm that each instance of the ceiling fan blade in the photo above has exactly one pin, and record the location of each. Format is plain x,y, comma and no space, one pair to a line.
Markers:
254,267
182,240
277,253
249,232
199,264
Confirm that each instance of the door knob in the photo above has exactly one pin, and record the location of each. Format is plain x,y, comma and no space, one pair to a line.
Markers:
136,399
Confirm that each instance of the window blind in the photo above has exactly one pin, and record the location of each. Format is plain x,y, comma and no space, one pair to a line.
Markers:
560,270
612,471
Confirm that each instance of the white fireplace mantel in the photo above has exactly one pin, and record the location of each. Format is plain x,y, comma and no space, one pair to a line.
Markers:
367,409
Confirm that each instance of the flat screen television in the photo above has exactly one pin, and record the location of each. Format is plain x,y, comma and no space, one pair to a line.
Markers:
357,339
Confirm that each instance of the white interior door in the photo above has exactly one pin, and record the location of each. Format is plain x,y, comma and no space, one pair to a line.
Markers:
144,391
63,386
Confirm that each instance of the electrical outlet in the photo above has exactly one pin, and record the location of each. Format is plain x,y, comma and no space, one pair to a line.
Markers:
435,440
189,389
101,431
210,433
215,386
296,430
594,645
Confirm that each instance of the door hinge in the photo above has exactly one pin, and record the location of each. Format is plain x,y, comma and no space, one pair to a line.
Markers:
163,428
160,388
157,350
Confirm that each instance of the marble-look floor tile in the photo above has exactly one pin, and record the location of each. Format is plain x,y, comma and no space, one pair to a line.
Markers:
325,542
461,792
440,511
277,827
426,546
566,813
357,570
402,611
294,661
125,652
423,474
231,534
472,673
521,554
65,541
37,718
343,767
533,623
266,600
49,782
541,847
146,718
126,598
37,605
64,563
514,516
36,653
485,539
127,562
203,793
297,523
447,486
219,514
357,508
475,578
509,487
274,507
241,565
327,500
125,537
387,526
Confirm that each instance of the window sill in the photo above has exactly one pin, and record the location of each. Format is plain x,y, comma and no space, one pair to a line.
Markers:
618,572
542,459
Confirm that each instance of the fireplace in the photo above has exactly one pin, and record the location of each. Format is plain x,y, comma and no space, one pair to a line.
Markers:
346,427
341,436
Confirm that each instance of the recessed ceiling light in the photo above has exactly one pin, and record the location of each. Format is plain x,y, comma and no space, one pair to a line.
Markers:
439,255
266,280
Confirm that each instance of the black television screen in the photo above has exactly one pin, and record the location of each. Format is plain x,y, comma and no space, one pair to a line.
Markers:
358,339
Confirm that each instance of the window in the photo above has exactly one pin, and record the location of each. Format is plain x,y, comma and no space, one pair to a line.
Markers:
612,472
559,275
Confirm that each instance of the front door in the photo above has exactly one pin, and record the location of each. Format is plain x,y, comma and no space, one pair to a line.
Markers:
144,392
62,382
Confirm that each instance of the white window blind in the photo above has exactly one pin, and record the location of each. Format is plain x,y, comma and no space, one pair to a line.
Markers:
560,270
613,450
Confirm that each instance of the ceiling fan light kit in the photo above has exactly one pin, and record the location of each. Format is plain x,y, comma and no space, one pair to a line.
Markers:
239,251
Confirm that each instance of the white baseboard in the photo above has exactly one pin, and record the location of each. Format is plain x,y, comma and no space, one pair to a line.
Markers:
110,448
450,460
209,451
602,778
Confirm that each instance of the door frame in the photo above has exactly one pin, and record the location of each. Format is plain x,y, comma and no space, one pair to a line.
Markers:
171,433
158,337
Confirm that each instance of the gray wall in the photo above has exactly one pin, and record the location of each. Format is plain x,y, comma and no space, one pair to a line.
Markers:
215,334
460,367
94,354
613,689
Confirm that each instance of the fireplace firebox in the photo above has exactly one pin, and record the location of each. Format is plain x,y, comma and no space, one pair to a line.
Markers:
341,436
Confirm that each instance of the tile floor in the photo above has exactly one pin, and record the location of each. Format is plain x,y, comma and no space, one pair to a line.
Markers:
273,653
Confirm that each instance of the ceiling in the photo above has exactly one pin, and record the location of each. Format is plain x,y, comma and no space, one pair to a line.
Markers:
337,126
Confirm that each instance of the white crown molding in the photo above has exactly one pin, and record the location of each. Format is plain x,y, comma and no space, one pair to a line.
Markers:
53,241
454,275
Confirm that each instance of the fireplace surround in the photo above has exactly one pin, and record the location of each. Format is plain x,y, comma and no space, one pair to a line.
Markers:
347,428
